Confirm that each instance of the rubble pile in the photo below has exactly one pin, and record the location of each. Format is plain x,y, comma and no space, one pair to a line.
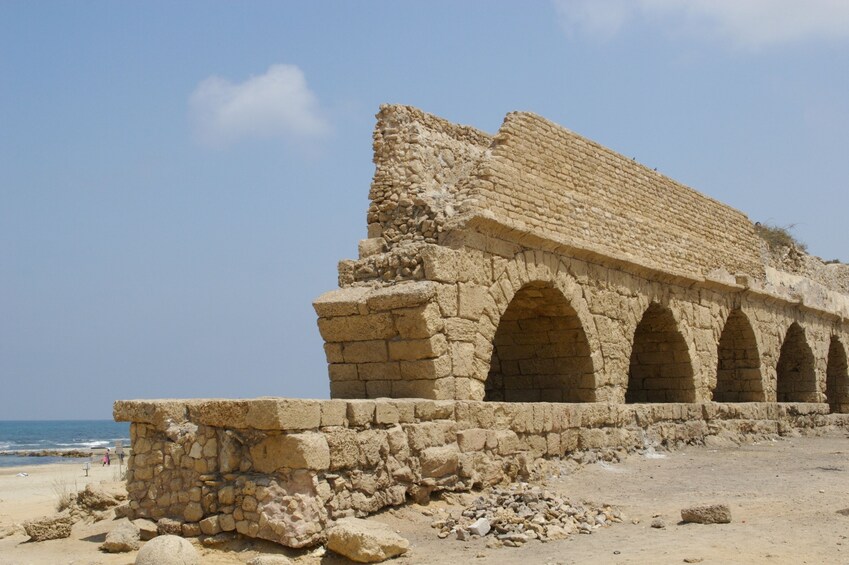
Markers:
518,513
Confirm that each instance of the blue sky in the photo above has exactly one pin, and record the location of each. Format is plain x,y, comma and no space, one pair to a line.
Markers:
178,180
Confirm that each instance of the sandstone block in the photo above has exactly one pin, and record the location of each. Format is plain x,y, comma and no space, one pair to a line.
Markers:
209,526
306,450
412,350
357,328
426,369
344,449
343,372
378,372
365,351
446,297
340,302
347,389
471,440
364,541
471,301
190,529
404,295
168,526
333,413
440,263
147,529
193,512
386,412
226,522
439,461
707,514
462,359
283,414
360,412
371,246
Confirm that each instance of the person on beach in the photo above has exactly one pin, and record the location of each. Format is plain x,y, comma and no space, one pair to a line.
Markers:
120,451
106,458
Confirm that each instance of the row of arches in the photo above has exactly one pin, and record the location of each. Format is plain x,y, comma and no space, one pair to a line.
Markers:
541,353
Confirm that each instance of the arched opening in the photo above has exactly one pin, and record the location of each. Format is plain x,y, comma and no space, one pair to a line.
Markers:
738,371
837,377
660,368
797,379
540,351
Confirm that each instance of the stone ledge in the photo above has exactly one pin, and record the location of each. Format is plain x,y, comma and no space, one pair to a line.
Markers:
292,414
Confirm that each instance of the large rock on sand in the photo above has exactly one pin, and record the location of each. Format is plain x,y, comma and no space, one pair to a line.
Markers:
168,550
57,526
364,541
122,538
707,514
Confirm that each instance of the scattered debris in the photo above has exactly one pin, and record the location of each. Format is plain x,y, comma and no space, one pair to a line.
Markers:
270,560
519,513
657,522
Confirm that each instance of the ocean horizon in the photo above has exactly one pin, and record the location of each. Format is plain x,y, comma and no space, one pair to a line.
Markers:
57,435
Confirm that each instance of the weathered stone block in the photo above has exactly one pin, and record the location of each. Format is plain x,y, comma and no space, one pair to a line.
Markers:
360,413
412,350
283,414
357,328
307,450
438,462
341,302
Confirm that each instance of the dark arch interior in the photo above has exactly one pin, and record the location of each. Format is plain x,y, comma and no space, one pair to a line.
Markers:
837,377
797,381
540,351
738,373
660,369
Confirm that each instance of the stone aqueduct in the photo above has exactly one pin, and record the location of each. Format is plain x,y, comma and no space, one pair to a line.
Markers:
520,298
536,265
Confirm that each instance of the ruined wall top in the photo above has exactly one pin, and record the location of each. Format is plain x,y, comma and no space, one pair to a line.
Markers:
534,180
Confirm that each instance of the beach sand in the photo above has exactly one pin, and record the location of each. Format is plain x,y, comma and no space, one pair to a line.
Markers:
789,500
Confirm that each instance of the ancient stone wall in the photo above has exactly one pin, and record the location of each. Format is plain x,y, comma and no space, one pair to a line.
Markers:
281,469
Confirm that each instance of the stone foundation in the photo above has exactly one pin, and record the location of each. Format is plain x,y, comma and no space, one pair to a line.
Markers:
281,469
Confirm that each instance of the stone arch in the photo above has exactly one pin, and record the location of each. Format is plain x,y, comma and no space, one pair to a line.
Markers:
738,371
540,350
837,376
796,370
660,369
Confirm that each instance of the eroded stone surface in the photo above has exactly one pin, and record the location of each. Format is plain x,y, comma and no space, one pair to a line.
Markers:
57,526
364,541
707,514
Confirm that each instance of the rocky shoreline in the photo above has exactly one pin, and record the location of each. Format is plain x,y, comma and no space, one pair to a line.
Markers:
72,453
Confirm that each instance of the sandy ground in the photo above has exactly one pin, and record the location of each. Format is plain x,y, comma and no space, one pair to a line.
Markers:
785,498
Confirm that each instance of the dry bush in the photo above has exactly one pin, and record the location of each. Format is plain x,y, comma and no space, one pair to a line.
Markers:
778,237
65,494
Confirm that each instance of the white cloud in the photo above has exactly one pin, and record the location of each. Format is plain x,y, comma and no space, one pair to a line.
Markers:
276,104
751,24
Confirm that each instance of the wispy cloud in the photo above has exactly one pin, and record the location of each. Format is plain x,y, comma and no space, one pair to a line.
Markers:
750,24
275,104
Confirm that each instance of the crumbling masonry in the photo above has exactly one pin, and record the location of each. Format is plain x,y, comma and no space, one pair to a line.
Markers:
520,297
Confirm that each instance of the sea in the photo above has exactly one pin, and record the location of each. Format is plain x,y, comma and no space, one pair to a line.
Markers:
59,435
